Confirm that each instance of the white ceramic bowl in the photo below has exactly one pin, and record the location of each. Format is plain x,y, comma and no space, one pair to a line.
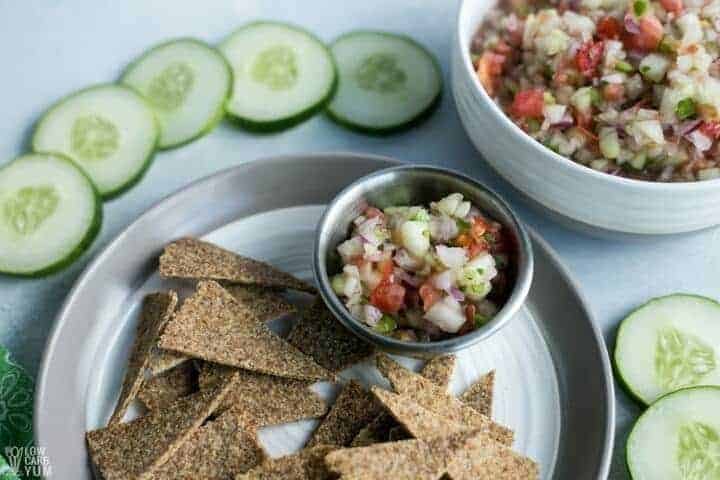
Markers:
579,193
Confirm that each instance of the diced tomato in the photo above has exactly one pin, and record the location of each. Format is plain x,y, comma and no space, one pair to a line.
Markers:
613,92
388,297
470,313
674,6
429,295
590,135
476,248
463,240
710,129
589,57
386,267
609,28
478,228
528,103
584,120
651,32
373,212
489,70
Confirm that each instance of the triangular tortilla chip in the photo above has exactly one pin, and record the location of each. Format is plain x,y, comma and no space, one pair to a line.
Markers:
218,450
480,394
163,390
398,433
268,400
163,360
192,258
212,325
157,309
433,398
481,457
307,464
439,370
352,410
133,450
377,431
320,335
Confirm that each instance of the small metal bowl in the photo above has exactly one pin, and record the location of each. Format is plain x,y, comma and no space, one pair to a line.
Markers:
416,185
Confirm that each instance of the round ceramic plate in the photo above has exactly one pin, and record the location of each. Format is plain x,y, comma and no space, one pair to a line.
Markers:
554,386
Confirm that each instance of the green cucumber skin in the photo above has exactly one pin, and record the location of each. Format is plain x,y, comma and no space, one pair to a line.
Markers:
421,117
281,124
90,234
148,160
618,372
219,114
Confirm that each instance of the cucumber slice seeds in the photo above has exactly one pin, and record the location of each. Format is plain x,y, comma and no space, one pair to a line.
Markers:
678,437
387,82
108,130
667,344
282,75
187,83
50,213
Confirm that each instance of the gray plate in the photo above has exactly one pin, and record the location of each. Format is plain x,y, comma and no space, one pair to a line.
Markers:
554,382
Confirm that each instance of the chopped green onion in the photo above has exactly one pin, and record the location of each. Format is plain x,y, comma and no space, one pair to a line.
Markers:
387,324
667,44
549,98
533,125
623,67
595,97
644,69
463,225
420,216
480,320
685,108
640,7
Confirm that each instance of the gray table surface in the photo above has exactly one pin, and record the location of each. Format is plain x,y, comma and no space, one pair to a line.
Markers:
49,48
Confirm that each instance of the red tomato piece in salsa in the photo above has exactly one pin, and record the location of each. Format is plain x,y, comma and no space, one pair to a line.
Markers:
528,103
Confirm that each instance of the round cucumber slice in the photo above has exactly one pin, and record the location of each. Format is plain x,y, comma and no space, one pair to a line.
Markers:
387,82
667,344
187,83
108,130
50,212
678,437
282,75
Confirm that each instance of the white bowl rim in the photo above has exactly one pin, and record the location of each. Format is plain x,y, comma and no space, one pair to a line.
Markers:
698,187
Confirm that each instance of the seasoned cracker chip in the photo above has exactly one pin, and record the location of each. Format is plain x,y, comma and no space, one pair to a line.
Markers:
439,370
319,335
377,431
219,450
268,400
192,258
481,457
157,309
162,390
433,398
480,394
212,325
133,450
307,464
353,409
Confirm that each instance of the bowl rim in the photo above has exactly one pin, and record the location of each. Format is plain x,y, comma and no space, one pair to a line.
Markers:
704,186
515,301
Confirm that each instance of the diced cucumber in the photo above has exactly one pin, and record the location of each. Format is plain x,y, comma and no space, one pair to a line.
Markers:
108,130
50,212
187,83
282,75
667,344
678,437
387,82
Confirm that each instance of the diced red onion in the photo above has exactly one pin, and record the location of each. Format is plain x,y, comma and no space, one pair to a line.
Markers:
457,294
701,141
631,24
451,257
442,281
367,230
412,280
359,220
687,127
565,122
371,314
406,261
442,228
616,78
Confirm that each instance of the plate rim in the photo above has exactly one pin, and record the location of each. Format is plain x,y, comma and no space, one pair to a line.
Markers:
62,317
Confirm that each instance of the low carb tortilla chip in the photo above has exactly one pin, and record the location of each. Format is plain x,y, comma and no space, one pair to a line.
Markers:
353,409
377,431
480,394
213,326
320,335
162,390
192,258
439,370
133,450
157,309
307,464
481,457
163,360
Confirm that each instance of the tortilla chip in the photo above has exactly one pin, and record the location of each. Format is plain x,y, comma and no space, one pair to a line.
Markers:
219,450
481,457
433,398
307,464
212,325
321,336
268,400
192,258
480,394
377,431
398,433
439,370
135,449
163,390
156,312
162,360
353,409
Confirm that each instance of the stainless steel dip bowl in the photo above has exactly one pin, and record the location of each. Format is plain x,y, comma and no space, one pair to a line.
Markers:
416,185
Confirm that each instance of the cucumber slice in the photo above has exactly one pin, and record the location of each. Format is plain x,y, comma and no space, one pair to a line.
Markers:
108,130
667,344
387,82
187,83
678,437
50,212
282,75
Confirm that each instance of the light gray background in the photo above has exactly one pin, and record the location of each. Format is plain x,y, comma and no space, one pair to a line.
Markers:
50,48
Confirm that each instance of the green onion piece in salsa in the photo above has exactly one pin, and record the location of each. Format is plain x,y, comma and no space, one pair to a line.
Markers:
685,109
